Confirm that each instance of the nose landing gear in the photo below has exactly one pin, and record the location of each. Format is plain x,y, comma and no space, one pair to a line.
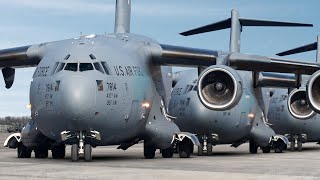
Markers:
81,143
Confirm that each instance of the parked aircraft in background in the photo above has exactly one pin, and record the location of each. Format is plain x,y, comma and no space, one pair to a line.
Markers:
294,112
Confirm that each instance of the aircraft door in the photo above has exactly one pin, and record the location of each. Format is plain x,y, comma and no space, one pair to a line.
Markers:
135,112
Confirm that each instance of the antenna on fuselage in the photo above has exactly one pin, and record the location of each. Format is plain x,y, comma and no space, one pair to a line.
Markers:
122,16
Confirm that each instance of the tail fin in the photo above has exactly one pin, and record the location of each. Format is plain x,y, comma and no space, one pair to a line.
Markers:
236,23
122,16
306,48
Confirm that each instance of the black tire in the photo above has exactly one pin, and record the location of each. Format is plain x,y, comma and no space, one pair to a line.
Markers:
292,145
191,149
88,152
58,152
299,146
266,149
41,152
74,152
23,151
149,152
253,147
209,149
184,148
167,153
200,150
278,150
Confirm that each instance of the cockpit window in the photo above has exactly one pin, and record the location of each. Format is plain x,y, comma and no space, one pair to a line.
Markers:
106,67
71,67
54,67
60,67
98,67
86,67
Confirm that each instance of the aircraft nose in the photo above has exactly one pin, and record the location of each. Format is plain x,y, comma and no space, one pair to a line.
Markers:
77,95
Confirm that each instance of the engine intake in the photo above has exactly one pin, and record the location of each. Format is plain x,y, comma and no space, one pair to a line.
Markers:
313,91
219,87
298,105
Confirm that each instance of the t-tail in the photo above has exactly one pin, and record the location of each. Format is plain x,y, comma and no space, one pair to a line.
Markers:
236,23
122,16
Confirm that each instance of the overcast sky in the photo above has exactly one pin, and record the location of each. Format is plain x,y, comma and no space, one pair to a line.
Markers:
25,22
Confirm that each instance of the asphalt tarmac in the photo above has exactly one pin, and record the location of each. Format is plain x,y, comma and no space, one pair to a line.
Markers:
111,163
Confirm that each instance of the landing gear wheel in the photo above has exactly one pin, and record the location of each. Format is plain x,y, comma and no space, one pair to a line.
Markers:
87,152
41,152
279,146
191,149
292,145
253,147
23,151
200,150
266,149
58,152
185,148
278,150
167,153
299,146
149,151
74,152
209,149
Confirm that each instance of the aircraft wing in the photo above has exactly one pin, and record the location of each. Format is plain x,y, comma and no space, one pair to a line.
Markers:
269,64
183,56
25,56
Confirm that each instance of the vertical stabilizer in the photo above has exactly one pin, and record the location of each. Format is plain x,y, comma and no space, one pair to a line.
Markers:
122,19
235,32
318,50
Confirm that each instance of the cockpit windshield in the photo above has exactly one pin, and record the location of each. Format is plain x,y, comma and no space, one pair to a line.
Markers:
86,67
71,67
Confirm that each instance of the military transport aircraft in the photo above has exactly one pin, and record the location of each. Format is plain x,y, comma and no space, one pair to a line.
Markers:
294,112
226,106
112,89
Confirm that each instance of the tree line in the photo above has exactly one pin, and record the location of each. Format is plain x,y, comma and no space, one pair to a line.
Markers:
14,124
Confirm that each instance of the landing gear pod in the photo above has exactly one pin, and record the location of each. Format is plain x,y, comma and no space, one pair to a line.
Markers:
219,87
313,91
13,141
298,105
185,142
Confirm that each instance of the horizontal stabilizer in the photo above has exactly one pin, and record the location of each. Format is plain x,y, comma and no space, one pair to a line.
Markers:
254,22
208,28
244,22
306,48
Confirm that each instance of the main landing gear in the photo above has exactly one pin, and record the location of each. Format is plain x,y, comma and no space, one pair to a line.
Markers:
183,147
83,146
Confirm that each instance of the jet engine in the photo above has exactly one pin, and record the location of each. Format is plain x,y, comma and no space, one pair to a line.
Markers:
219,87
313,91
298,105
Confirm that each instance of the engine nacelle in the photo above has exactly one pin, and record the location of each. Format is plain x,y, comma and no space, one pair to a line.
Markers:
313,91
298,105
219,87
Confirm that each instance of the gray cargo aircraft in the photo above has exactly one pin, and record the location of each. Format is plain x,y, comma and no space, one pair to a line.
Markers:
226,104
294,112
96,91
112,89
